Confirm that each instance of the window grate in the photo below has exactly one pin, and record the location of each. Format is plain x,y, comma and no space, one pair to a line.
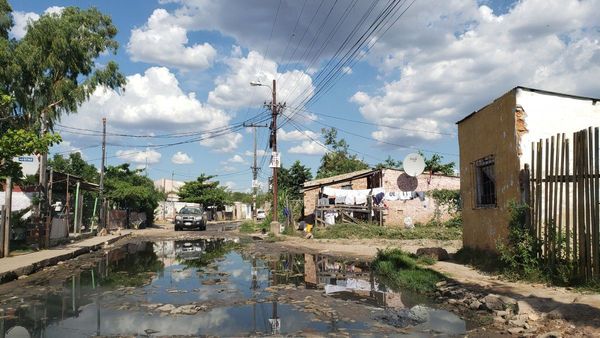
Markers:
485,182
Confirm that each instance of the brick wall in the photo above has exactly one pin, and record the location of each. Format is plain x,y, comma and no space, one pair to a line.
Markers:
418,210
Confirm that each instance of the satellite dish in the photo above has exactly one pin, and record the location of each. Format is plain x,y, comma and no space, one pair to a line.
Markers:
17,332
413,164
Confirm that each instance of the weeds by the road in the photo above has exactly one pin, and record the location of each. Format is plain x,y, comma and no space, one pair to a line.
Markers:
402,270
361,231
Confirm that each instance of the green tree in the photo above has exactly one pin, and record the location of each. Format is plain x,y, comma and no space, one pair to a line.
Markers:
291,179
21,142
52,68
338,161
128,189
389,163
75,165
205,192
434,165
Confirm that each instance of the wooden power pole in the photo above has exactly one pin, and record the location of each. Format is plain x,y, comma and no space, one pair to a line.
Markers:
102,201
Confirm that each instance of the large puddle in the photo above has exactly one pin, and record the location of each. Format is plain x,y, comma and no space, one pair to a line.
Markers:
215,287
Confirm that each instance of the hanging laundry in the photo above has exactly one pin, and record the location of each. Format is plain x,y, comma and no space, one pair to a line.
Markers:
361,199
329,191
376,191
350,199
391,196
405,195
421,195
377,199
340,199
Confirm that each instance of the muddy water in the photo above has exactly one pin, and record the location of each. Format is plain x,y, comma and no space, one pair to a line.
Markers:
215,287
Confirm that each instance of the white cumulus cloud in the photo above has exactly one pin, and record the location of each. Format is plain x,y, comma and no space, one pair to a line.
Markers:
22,19
181,158
233,89
308,148
457,56
163,40
154,103
149,156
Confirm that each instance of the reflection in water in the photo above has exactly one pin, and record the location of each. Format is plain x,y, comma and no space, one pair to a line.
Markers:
116,296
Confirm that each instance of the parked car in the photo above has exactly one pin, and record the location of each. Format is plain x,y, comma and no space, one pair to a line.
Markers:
260,214
190,218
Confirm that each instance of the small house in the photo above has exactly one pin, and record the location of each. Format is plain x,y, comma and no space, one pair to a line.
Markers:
404,199
495,146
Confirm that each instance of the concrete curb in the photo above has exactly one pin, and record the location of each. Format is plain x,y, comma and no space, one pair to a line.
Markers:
8,276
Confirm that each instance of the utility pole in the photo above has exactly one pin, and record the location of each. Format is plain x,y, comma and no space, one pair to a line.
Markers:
254,168
7,213
275,167
102,201
43,178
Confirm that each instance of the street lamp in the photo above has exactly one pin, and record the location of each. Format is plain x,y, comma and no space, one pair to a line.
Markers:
275,223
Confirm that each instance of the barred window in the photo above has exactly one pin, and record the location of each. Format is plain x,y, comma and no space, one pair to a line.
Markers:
485,182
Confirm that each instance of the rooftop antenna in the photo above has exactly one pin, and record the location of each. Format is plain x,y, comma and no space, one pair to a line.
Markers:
413,164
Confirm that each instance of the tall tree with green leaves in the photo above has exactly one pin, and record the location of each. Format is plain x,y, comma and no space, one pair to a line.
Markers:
50,71
389,163
434,165
128,189
291,179
75,165
338,161
205,192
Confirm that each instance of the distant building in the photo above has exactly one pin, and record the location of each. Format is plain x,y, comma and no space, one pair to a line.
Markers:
495,145
169,187
405,197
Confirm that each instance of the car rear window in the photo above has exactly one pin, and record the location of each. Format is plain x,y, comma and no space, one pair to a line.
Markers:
187,210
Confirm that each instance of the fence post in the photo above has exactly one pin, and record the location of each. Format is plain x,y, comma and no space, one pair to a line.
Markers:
525,196
7,214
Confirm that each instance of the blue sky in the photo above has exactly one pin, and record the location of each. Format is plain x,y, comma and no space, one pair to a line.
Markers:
189,64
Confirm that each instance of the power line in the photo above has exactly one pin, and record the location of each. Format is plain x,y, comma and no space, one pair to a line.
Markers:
381,141
374,124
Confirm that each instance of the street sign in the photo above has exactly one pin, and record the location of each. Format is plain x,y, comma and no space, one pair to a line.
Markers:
275,160
255,184
29,163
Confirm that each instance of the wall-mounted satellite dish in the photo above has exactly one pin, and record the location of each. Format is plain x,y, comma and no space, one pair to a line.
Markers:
413,164
17,332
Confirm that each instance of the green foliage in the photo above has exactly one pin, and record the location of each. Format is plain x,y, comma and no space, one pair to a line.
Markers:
205,192
291,179
75,165
365,230
56,59
22,142
250,227
128,189
446,198
401,270
434,165
519,252
338,161
51,70
389,163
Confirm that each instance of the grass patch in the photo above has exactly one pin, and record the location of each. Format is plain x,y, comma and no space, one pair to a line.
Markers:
401,270
250,227
365,230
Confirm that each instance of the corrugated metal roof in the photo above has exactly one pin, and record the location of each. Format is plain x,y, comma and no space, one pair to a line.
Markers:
339,178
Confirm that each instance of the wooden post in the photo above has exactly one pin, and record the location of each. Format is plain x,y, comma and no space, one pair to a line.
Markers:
550,219
596,188
2,211
546,199
68,207
561,184
567,200
370,207
7,214
76,224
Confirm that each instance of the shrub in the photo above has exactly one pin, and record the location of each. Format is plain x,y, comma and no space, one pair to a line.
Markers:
401,270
